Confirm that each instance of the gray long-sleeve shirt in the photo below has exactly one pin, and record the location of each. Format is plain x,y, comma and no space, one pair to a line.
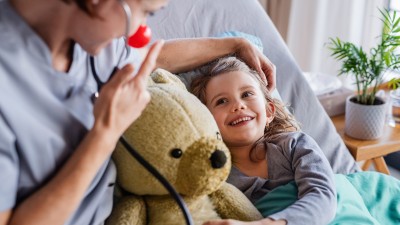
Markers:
294,156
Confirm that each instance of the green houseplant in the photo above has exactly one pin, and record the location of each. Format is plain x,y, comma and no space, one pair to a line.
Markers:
365,112
369,69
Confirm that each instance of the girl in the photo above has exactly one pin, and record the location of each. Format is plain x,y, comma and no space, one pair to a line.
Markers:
266,147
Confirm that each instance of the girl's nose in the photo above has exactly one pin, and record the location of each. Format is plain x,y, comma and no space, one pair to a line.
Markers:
238,105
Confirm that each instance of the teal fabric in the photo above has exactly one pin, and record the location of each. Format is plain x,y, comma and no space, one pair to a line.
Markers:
363,198
378,188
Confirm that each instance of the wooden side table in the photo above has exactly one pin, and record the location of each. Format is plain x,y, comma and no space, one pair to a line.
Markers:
372,151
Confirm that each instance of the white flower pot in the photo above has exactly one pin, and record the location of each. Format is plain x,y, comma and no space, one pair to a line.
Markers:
364,121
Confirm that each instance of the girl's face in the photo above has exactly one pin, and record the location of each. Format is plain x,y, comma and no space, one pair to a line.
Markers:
239,108
94,33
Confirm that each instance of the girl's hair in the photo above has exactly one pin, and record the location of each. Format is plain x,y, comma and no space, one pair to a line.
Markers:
283,121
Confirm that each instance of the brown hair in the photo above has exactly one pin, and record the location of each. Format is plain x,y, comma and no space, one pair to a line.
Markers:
83,4
283,121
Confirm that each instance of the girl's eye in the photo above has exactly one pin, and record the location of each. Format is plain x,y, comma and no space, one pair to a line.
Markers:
247,94
221,101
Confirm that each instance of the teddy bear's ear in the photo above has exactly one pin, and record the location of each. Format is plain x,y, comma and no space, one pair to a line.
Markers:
161,76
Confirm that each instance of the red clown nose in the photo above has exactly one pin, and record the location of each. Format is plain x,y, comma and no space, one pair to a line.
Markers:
141,37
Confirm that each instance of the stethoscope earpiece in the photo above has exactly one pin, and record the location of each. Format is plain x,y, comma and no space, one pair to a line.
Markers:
141,37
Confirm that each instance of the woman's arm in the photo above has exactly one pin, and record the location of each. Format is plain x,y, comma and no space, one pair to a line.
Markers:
181,55
55,202
121,102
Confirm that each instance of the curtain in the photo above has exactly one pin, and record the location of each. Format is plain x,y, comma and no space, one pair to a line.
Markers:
279,12
313,22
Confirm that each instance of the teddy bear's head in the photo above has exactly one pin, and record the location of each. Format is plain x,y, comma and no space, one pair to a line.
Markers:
178,135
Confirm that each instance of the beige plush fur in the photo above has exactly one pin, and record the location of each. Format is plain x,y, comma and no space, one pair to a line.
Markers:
176,119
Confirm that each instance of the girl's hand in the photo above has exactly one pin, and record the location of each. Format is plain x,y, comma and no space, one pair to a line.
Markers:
266,221
122,100
226,222
259,62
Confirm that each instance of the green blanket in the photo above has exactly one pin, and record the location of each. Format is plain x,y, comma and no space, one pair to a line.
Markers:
363,198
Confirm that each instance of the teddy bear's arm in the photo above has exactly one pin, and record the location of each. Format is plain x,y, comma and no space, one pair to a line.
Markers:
129,210
231,203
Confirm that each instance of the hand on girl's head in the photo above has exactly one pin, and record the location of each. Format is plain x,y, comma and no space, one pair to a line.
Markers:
268,69
260,63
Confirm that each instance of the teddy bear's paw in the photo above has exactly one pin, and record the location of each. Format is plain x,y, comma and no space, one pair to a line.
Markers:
231,203
129,210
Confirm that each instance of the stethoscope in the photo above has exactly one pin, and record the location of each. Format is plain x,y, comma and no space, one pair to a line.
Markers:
139,39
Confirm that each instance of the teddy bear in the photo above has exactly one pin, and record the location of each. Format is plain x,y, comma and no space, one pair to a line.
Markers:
177,135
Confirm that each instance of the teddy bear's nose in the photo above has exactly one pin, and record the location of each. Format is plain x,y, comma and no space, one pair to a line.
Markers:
218,159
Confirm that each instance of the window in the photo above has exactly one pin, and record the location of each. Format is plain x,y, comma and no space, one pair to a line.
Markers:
394,5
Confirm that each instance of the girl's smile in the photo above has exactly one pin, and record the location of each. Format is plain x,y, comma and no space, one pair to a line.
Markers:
241,120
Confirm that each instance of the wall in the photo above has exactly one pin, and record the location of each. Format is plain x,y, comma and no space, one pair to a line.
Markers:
279,12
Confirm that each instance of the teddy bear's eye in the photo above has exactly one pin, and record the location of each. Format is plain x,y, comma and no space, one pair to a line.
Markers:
176,153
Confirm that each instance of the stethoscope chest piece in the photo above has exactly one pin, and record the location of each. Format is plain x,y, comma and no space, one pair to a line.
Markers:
99,83
94,97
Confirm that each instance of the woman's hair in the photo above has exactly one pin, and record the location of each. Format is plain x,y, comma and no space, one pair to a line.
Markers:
283,121
82,4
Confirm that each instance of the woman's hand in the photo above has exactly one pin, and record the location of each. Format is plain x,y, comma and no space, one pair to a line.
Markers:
122,100
266,221
259,62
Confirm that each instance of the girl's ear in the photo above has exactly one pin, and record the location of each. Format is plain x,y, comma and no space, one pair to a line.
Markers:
270,112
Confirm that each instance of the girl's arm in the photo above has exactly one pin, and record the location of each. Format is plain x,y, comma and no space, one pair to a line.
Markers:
121,102
266,221
315,181
181,55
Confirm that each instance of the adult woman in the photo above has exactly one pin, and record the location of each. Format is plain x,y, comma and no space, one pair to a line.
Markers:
54,143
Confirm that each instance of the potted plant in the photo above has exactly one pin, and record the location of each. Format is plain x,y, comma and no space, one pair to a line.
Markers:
365,112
